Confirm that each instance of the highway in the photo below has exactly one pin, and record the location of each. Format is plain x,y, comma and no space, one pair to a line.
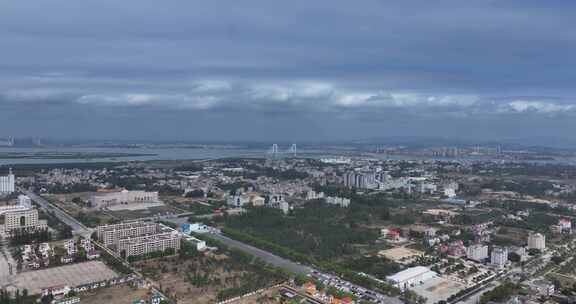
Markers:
264,255
77,227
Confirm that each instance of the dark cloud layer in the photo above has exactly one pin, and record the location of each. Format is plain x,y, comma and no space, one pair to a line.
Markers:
290,70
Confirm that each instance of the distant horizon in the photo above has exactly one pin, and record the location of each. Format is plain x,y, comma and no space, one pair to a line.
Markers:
410,140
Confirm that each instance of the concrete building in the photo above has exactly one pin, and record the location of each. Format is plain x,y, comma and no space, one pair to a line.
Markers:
455,249
477,252
542,287
275,198
499,257
110,234
12,208
312,195
338,201
277,201
199,244
565,225
536,241
137,238
149,243
70,246
124,197
238,200
411,277
7,183
243,199
450,189
194,227
24,200
257,201
22,220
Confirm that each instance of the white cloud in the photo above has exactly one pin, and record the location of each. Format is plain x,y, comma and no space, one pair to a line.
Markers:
522,106
284,96
208,86
177,101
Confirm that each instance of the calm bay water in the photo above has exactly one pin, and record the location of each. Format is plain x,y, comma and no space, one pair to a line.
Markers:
155,153
176,153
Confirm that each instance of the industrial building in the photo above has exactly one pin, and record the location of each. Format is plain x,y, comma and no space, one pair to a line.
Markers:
411,277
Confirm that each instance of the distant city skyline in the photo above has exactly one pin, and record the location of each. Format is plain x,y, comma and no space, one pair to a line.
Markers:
288,71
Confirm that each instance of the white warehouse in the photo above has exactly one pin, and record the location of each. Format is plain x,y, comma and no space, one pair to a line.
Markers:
411,277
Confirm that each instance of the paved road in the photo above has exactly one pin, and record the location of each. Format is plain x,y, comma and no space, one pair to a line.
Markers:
77,227
7,264
264,255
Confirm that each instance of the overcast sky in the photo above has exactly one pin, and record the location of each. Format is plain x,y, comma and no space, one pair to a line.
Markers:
287,70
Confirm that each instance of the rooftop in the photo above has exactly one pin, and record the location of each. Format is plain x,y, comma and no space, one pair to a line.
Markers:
408,273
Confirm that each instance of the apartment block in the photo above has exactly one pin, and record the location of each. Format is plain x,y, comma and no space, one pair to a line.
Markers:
111,234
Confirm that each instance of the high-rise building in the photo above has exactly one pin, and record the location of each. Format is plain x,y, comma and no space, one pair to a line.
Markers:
536,241
499,257
477,252
7,183
366,179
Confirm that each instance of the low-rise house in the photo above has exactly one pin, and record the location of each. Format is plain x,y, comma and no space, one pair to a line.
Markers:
67,259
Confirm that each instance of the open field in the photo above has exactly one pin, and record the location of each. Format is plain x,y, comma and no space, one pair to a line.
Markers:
135,206
399,253
64,201
93,217
511,236
140,213
114,294
72,275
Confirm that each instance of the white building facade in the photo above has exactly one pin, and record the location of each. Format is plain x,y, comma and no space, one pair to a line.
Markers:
499,257
477,252
411,277
105,200
536,241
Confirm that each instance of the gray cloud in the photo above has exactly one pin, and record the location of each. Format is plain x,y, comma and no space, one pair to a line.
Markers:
377,65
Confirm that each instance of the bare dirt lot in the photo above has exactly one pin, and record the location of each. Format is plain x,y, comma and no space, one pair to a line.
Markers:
202,279
398,253
117,294
266,297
